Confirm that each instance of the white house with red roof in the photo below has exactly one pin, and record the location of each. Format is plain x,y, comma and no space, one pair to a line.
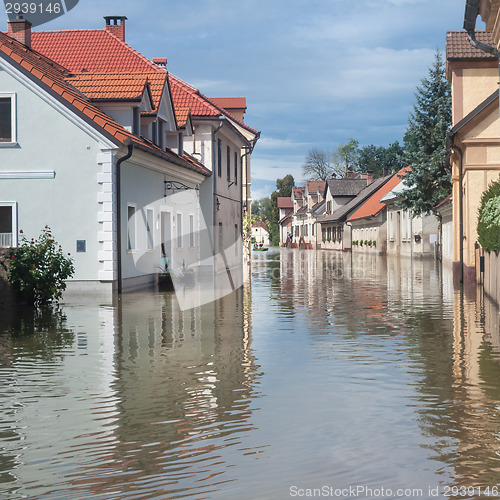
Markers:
285,211
125,162
308,207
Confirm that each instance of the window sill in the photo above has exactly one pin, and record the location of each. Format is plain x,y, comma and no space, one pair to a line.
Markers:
8,144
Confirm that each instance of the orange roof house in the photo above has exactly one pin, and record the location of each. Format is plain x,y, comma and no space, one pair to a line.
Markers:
373,205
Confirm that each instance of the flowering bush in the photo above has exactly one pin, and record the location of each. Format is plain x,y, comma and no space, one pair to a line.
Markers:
488,226
38,269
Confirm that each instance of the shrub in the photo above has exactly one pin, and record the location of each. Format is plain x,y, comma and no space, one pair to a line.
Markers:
370,243
38,269
488,226
355,242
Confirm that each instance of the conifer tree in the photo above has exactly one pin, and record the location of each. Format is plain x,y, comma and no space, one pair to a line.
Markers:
429,180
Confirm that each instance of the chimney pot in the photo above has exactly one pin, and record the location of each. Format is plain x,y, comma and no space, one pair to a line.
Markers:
116,25
160,61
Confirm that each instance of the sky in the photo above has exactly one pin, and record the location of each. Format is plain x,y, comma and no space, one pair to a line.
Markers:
315,73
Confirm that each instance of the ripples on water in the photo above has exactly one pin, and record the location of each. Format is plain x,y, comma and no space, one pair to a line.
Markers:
326,371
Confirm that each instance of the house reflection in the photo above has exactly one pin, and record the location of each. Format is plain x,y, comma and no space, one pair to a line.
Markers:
183,380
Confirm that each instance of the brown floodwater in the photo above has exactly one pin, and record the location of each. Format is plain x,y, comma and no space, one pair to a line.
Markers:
326,375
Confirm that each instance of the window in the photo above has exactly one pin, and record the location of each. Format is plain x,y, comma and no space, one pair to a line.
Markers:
191,231
179,230
391,226
235,167
8,224
131,229
219,157
228,163
7,118
149,229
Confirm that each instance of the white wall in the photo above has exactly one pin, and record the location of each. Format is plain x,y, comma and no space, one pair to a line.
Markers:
68,203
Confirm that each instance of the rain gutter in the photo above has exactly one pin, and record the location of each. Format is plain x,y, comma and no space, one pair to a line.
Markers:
470,16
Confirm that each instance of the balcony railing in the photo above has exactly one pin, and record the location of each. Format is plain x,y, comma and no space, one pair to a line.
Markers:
5,239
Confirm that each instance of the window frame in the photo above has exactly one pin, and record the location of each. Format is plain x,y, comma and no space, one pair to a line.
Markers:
129,247
219,158
150,234
15,231
13,119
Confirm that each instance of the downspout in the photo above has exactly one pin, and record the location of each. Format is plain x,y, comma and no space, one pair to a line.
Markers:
454,147
214,174
244,156
130,146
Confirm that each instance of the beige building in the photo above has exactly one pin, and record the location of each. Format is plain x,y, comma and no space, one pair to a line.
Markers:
474,139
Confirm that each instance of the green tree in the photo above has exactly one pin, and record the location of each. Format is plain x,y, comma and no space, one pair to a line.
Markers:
346,156
429,180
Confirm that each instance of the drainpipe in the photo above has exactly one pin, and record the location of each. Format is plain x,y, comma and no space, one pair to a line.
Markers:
130,147
249,152
454,147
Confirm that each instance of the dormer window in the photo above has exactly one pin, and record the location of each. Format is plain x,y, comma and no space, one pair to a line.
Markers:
7,119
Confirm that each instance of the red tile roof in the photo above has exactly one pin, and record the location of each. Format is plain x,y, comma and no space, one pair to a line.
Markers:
285,202
51,76
118,86
230,102
372,206
458,46
298,192
314,186
99,51
95,51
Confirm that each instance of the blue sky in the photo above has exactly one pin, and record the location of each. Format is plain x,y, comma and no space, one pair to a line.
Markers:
315,72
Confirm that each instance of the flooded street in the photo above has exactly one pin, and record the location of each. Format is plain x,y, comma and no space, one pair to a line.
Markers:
326,371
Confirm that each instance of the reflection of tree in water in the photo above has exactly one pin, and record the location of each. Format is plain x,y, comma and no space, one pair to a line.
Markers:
38,332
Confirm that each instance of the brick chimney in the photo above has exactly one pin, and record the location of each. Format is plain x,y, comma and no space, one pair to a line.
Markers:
20,30
116,25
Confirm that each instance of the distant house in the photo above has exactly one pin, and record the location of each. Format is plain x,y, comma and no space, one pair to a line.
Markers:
408,235
369,221
338,192
308,205
260,233
335,226
285,209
